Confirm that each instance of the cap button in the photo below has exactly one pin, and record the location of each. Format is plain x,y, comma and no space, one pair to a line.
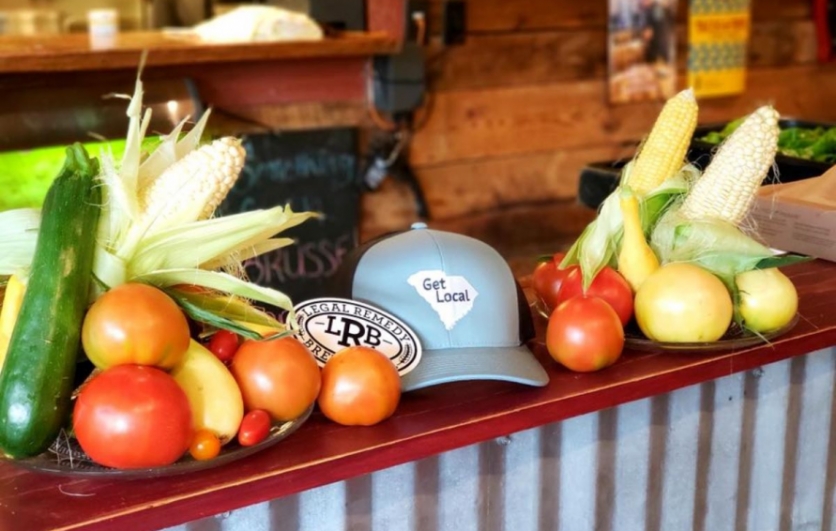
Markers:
419,225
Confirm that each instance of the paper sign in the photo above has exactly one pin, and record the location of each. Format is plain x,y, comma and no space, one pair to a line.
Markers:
718,39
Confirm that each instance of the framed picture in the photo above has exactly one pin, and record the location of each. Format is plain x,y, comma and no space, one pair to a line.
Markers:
642,50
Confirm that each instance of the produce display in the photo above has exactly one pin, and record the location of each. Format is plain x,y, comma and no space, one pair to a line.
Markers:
128,328
672,252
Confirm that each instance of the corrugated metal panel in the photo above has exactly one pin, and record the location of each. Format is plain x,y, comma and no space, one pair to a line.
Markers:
750,452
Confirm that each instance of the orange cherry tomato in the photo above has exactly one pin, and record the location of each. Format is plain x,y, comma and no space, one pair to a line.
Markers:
135,324
360,387
254,427
279,376
205,445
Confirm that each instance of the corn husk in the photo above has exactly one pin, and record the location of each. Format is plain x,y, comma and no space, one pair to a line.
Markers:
18,236
599,243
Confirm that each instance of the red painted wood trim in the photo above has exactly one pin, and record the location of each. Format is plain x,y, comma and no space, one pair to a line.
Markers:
265,83
427,422
387,16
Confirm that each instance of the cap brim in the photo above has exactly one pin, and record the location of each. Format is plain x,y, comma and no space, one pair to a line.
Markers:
510,364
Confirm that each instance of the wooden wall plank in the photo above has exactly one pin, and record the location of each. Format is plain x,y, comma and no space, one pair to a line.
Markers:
298,116
529,58
518,15
519,225
456,190
511,121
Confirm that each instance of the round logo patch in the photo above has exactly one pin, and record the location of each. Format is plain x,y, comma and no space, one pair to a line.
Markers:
328,325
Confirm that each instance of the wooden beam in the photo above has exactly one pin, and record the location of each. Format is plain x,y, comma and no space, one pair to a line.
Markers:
283,82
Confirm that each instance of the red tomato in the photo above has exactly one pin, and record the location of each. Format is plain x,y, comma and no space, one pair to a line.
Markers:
608,285
360,387
279,376
584,334
548,278
135,324
254,427
205,445
133,416
224,345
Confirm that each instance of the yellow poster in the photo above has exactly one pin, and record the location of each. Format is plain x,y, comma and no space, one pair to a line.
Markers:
718,39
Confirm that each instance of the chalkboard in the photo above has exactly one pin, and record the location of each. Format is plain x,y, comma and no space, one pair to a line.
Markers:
313,170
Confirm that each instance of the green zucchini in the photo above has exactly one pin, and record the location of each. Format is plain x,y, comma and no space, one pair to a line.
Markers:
36,381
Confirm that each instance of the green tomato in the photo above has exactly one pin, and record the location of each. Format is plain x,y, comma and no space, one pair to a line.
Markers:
768,299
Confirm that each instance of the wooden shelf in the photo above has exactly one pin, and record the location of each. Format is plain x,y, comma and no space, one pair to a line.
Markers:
73,52
429,421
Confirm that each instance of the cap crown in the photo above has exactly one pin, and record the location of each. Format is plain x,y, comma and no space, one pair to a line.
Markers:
452,290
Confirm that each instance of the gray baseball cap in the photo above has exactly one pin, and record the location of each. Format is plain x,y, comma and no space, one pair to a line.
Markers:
457,294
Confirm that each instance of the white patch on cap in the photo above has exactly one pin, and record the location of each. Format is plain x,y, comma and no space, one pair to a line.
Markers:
450,296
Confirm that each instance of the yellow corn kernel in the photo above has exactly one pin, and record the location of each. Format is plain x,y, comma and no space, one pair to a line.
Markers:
730,183
663,152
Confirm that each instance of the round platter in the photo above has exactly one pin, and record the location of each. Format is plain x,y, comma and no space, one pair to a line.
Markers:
65,457
735,338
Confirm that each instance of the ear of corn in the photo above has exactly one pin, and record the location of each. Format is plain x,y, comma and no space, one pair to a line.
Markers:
189,190
730,183
157,222
658,170
664,150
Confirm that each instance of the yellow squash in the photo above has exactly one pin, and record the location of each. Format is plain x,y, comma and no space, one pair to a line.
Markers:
636,261
214,395
8,313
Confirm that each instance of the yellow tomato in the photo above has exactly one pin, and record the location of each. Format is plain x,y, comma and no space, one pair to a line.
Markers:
683,303
768,299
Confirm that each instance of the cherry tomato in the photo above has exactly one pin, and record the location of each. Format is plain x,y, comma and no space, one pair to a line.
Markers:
254,427
548,278
205,445
135,324
224,345
360,387
279,376
584,334
608,284
133,416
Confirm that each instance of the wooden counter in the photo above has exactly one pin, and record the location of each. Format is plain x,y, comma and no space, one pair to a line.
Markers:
74,52
428,422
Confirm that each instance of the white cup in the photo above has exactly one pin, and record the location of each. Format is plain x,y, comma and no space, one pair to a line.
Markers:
102,26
